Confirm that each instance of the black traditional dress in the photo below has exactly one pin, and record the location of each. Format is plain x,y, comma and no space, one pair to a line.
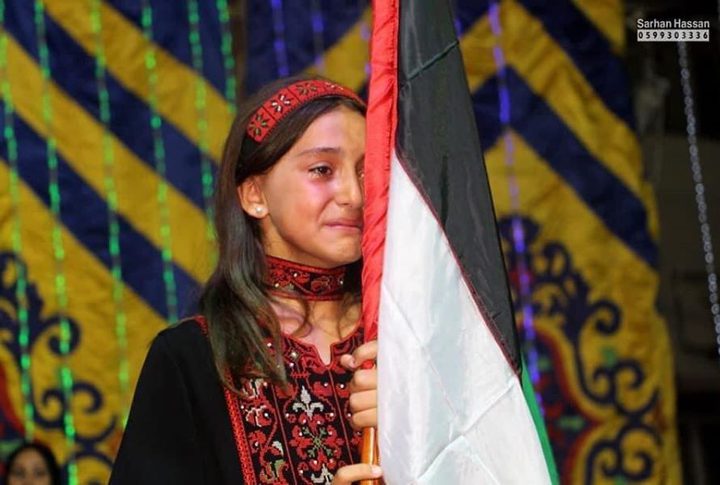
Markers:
186,428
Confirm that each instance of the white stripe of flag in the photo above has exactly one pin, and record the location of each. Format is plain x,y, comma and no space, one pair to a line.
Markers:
451,409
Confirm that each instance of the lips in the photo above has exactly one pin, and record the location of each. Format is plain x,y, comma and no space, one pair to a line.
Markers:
346,223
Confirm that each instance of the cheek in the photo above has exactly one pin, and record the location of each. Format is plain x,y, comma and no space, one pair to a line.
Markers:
302,205
317,196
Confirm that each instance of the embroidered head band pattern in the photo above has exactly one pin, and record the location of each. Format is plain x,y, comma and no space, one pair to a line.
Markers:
290,98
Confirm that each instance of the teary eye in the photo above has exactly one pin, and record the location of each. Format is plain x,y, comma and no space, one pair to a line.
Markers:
321,170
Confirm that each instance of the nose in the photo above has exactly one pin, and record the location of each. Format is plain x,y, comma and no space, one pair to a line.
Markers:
350,192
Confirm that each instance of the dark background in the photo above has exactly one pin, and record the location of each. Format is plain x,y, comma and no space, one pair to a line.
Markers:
661,123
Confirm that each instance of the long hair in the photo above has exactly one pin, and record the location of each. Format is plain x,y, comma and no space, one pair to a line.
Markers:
234,301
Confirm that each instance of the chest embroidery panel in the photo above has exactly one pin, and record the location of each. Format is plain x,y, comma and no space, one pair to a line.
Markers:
300,435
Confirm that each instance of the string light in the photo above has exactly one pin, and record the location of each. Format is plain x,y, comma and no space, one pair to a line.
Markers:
364,30
202,122
66,377
700,200
17,243
160,165
118,285
279,42
517,232
317,29
227,53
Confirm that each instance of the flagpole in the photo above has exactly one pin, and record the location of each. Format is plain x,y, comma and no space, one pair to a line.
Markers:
369,452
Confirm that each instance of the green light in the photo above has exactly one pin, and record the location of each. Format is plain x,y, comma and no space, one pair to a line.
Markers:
118,285
227,52
160,165
66,378
201,110
28,409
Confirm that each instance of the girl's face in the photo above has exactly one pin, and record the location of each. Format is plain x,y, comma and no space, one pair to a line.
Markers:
29,468
310,202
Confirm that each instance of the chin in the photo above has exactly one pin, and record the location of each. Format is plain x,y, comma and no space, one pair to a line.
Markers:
344,257
325,252
342,260
344,251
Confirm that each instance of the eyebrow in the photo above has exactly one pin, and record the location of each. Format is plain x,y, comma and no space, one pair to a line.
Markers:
319,150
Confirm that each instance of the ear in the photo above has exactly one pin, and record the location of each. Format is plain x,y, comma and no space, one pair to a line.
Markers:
252,198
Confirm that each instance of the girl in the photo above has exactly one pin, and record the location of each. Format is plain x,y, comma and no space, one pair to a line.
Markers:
265,386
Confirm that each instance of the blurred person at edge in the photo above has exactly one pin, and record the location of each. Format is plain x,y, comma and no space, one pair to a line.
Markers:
32,464
265,385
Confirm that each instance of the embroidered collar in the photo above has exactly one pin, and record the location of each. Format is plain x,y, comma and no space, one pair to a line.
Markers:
293,280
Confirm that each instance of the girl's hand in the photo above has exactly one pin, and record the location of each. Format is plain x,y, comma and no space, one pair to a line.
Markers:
352,473
363,387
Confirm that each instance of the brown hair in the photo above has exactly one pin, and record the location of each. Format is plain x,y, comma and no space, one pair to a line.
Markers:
234,301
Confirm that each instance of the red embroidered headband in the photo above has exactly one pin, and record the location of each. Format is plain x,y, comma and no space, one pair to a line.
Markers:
290,98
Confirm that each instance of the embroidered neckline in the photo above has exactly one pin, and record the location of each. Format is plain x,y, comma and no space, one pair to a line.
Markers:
302,436
293,280
311,351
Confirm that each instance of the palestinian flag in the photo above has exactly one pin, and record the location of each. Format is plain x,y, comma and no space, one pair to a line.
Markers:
453,406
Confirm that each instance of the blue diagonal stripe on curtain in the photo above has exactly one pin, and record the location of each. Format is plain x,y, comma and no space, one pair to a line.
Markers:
169,18
469,14
73,70
338,18
590,51
84,213
621,211
584,44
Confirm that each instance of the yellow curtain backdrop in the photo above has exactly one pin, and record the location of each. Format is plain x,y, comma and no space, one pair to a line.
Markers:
113,121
